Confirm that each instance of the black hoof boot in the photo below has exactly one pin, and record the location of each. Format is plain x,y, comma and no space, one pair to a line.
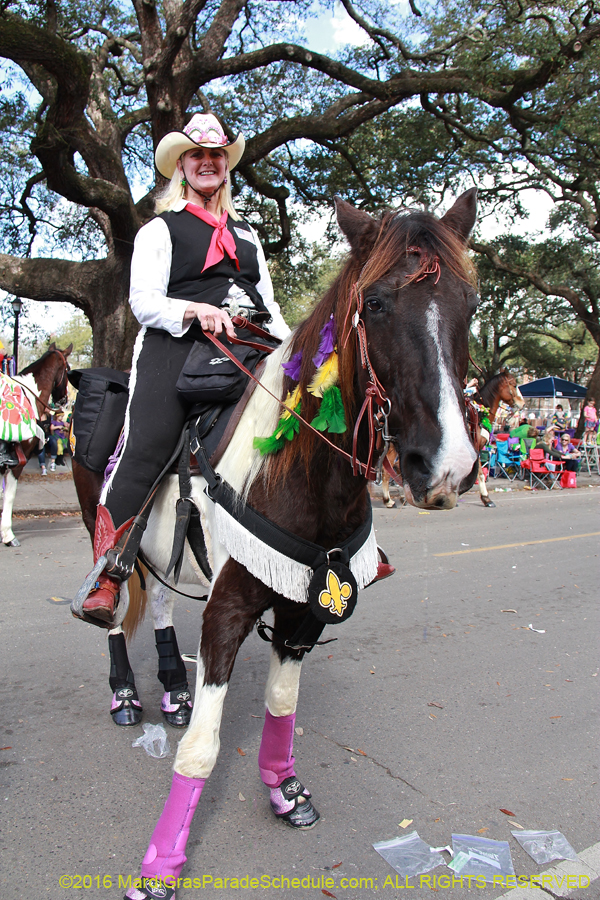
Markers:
152,890
291,803
126,708
176,707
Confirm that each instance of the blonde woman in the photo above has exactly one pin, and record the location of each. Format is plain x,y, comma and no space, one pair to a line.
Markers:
195,262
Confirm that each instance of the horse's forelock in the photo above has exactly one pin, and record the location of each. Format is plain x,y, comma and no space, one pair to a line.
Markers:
401,231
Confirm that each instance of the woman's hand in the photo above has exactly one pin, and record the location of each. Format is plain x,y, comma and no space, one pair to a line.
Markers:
211,318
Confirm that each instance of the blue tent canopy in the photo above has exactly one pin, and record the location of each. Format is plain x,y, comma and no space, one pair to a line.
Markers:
553,387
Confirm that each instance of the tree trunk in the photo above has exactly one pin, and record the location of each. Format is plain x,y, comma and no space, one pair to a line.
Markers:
114,326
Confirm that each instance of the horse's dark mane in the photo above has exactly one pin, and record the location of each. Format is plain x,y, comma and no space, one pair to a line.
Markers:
397,233
34,366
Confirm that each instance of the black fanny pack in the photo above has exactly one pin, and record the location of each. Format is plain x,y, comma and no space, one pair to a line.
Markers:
208,376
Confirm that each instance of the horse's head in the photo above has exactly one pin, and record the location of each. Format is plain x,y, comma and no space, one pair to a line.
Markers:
508,390
60,384
50,374
418,291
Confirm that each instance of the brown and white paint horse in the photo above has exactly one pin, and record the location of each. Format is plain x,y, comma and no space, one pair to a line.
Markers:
418,288
501,388
43,379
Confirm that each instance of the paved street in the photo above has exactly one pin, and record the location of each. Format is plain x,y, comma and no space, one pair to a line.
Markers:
437,704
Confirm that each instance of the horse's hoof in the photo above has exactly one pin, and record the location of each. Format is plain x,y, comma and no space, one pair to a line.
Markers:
389,503
176,707
150,891
126,708
291,803
14,543
489,504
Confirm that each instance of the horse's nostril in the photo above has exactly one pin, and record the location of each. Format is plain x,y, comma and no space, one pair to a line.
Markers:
415,463
440,502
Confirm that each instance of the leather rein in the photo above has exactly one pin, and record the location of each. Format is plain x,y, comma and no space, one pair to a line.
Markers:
376,405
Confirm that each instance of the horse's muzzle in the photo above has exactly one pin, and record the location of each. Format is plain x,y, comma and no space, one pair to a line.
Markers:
443,494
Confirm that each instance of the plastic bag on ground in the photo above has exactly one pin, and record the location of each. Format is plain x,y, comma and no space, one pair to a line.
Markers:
544,846
409,855
154,741
481,856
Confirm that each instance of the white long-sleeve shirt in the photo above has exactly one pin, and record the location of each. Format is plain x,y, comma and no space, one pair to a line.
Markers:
150,273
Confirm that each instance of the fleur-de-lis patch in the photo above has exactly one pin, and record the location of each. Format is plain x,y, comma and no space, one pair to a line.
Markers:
332,593
335,597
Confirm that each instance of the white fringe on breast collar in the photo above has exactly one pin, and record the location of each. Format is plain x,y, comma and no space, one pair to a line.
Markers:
284,575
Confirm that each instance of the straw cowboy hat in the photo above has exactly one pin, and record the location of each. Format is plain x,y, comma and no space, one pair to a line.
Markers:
203,130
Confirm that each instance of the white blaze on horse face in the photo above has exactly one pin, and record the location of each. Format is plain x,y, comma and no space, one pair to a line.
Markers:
455,457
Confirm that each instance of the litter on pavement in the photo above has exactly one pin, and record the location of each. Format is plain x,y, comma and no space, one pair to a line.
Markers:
154,741
544,846
409,855
481,856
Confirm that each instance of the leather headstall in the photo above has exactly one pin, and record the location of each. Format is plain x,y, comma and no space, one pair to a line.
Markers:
375,396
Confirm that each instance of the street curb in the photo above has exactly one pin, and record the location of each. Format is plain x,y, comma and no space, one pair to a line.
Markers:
30,513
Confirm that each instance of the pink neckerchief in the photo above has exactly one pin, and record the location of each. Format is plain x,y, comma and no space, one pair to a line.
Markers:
222,240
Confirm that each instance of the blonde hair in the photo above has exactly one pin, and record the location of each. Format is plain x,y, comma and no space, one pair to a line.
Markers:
175,191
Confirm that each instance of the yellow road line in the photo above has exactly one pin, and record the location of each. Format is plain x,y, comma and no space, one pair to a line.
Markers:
569,537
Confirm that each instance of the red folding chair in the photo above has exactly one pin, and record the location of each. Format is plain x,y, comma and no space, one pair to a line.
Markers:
544,472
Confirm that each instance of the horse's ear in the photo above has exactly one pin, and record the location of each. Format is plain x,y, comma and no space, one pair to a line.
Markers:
52,346
462,216
69,349
359,227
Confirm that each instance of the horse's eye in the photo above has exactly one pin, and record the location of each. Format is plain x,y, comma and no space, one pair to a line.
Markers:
374,305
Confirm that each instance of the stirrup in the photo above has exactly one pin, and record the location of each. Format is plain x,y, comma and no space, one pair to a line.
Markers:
84,592
302,815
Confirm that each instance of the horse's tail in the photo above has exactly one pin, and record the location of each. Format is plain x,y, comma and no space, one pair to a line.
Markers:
138,599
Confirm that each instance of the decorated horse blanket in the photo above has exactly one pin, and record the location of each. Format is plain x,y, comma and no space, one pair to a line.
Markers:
17,415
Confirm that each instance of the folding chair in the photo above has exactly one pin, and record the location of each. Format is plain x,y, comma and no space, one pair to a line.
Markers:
508,462
540,473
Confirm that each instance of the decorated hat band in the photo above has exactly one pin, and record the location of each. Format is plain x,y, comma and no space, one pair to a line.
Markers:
203,130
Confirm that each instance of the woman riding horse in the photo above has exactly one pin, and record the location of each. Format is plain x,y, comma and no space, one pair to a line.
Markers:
196,261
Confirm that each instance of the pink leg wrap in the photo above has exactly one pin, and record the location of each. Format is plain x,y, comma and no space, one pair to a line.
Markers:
165,856
275,760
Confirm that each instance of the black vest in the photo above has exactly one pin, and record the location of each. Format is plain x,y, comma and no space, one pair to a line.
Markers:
190,240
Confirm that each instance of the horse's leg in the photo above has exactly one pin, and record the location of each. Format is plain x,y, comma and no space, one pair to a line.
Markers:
125,708
385,491
290,800
10,492
176,704
483,491
236,601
